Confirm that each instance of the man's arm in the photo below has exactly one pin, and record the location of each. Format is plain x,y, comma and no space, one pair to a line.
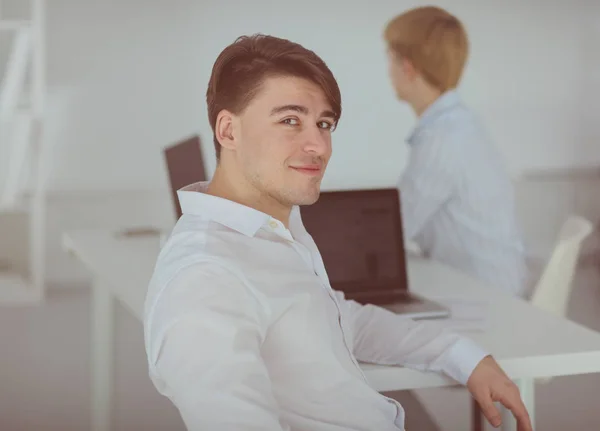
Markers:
206,331
428,181
386,338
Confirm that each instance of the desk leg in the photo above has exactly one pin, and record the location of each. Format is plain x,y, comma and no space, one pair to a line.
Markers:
527,389
101,357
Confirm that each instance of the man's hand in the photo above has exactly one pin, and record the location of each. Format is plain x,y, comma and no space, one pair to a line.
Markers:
488,384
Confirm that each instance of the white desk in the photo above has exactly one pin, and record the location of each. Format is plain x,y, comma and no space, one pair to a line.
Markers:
527,342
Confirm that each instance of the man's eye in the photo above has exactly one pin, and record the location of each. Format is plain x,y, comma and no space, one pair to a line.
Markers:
291,121
325,125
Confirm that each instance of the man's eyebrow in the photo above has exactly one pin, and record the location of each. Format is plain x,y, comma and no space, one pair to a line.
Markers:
329,114
301,109
296,108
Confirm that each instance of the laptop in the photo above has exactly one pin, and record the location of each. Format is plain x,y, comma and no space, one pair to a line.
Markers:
360,238
185,166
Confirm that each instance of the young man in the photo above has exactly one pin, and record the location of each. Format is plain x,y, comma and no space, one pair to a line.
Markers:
457,198
242,329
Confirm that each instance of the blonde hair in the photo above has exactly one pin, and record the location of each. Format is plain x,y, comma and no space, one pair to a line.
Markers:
434,41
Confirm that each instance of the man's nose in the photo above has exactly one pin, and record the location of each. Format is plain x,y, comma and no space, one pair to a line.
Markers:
316,141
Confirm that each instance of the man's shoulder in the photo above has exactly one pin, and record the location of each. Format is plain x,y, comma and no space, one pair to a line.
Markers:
194,241
457,123
197,247
192,276
191,273
454,135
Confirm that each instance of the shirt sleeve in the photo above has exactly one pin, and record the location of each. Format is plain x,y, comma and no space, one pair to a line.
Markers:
385,338
428,180
206,330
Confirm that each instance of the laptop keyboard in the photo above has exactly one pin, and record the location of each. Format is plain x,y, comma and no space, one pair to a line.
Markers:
382,298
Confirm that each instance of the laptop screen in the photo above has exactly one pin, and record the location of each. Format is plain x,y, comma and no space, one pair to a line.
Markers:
185,166
359,235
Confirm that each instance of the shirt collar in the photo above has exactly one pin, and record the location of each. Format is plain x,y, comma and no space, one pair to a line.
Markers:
195,201
446,101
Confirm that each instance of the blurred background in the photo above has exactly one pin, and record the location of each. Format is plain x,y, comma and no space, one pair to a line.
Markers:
112,83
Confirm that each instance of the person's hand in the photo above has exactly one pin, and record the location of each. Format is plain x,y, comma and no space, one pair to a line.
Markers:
488,384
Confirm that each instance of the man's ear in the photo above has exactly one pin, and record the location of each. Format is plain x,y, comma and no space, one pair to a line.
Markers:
409,68
224,129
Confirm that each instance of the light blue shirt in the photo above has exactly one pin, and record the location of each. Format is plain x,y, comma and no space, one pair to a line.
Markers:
457,197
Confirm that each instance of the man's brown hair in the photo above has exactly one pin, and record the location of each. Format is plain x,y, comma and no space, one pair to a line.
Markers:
243,66
434,41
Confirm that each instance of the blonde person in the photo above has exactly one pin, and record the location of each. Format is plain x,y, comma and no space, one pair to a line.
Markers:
457,197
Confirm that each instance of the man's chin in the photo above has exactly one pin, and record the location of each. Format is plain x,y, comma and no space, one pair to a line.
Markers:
308,201
308,198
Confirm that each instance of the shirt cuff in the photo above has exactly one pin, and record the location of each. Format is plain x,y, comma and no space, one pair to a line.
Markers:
462,359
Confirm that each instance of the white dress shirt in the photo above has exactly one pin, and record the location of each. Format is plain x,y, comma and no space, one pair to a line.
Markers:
457,198
243,331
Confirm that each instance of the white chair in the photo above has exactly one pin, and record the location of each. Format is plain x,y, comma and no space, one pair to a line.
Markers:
552,291
554,287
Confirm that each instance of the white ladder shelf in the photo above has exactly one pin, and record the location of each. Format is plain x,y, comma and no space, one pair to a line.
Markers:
22,156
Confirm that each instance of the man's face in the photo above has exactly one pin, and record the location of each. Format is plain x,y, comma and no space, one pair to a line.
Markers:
284,140
399,71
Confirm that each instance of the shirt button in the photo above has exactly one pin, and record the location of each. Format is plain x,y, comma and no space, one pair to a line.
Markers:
273,224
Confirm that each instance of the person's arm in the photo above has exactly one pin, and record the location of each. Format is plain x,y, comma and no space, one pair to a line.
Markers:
205,336
428,181
385,338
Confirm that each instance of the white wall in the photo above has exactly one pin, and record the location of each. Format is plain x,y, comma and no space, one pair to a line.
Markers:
136,73
591,79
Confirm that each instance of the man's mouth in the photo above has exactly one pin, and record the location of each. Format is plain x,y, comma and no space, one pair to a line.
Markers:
308,169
